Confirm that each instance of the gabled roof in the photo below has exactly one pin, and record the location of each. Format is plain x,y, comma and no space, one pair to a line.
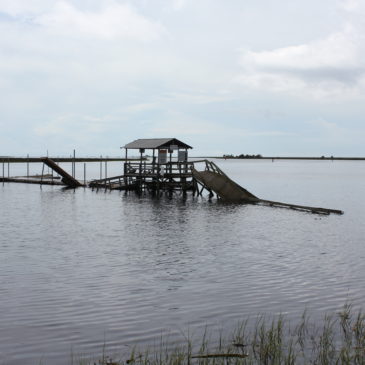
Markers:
154,143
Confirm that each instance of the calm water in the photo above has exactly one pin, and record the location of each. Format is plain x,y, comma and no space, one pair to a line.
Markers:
80,268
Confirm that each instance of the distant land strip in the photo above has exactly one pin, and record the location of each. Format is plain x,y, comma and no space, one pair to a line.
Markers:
10,159
316,158
286,158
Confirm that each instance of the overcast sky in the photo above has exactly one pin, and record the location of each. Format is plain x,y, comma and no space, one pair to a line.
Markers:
275,77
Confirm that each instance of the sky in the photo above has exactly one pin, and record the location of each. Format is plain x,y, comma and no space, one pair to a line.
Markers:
270,77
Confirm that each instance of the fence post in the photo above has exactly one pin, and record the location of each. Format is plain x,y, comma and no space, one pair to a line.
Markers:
84,174
74,166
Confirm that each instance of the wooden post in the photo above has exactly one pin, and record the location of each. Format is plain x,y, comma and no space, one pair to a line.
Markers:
47,166
158,174
28,165
125,167
106,169
186,160
170,180
153,161
3,172
8,168
84,174
140,170
170,161
42,176
126,160
74,166
101,167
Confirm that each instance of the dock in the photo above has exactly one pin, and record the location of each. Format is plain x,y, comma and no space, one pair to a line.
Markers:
164,174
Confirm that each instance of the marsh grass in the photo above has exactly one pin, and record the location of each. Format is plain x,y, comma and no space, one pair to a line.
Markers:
336,339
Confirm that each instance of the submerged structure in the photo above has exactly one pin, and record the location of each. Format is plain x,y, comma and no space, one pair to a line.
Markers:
169,169
164,166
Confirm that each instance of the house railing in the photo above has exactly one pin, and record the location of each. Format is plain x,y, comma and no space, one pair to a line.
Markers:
145,169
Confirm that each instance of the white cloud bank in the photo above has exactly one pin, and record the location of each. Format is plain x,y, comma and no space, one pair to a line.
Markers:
330,66
112,20
96,72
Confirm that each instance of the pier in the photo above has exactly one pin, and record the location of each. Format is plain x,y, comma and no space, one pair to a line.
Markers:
166,169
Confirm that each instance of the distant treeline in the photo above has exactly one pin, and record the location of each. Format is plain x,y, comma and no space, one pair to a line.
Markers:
242,156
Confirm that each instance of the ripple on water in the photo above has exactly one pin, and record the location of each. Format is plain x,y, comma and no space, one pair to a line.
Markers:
78,269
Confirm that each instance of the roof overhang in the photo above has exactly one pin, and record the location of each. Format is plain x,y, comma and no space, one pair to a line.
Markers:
156,143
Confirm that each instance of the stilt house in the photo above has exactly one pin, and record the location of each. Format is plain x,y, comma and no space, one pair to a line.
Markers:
165,166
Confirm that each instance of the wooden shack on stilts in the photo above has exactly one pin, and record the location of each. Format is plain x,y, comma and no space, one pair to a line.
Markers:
163,166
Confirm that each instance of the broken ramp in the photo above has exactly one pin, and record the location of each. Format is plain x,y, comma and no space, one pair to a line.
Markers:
224,187
215,180
67,179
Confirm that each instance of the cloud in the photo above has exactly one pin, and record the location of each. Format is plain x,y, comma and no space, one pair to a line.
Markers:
330,66
181,124
350,5
112,21
23,9
75,127
330,130
178,4
337,135
141,107
197,97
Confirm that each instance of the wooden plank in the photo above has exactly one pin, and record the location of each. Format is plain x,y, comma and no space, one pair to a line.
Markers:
107,179
316,210
67,179
30,181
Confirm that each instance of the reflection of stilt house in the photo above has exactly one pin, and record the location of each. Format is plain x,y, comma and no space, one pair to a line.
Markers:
166,169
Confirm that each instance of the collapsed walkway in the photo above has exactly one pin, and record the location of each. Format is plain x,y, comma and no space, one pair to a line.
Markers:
67,179
183,177
215,180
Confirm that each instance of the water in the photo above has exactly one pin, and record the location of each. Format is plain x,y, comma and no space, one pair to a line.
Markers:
80,269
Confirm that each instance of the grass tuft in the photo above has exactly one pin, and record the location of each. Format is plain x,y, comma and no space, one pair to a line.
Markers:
337,339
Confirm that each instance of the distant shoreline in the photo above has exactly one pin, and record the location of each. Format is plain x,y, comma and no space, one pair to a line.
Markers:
287,158
6,159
